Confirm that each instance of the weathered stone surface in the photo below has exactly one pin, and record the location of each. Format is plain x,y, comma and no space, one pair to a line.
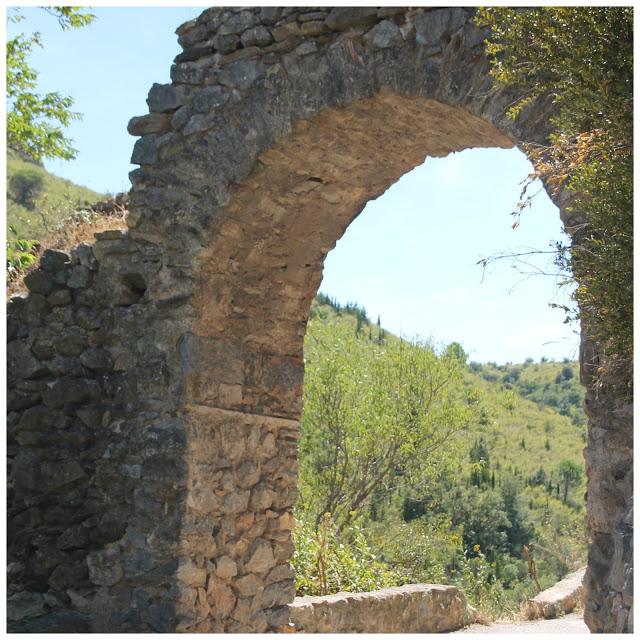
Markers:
210,98
341,18
415,608
260,36
164,98
150,123
53,261
39,281
226,568
385,34
261,558
563,597
432,26
104,566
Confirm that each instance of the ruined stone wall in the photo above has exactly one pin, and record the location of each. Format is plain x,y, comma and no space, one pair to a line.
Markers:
155,377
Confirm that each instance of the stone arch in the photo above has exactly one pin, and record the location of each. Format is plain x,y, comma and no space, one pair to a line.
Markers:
278,126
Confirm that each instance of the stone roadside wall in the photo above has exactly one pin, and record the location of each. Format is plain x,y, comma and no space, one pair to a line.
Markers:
155,377
415,608
563,597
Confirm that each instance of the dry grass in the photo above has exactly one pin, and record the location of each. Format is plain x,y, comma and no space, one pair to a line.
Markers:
78,228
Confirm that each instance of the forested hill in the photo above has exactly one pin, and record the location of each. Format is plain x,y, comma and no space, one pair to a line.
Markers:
440,469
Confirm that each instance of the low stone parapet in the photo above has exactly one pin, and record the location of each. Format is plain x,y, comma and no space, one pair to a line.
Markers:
562,598
414,608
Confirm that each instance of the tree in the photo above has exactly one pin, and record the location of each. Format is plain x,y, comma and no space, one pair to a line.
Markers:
570,475
35,122
581,58
374,416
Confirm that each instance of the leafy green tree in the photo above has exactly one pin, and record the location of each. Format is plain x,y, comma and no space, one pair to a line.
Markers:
582,59
520,530
570,475
35,121
480,463
374,416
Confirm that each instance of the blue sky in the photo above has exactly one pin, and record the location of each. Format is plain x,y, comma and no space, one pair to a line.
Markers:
409,257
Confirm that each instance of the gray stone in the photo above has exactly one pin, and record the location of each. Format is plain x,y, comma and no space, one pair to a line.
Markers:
137,562
237,23
59,298
278,594
97,359
189,37
186,73
270,15
432,26
312,16
384,35
164,98
84,254
71,342
57,475
150,123
52,260
180,117
210,98
79,277
226,43
21,361
105,568
310,46
341,18
259,36
145,150
39,281
43,349
242,74
25,605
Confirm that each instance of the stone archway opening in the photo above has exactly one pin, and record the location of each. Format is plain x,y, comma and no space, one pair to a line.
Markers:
369,270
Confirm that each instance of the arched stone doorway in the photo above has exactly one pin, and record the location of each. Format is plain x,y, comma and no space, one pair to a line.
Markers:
278,127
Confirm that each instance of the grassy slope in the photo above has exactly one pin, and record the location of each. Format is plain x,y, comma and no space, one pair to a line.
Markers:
59,198
512,418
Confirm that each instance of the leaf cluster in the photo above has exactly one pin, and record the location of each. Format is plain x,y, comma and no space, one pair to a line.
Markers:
581,58
35,121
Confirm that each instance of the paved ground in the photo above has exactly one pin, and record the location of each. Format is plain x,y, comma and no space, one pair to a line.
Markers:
571,623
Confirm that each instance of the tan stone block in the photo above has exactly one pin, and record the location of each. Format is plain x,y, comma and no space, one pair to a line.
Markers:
220,597
248,585
226,568
261,559
191,574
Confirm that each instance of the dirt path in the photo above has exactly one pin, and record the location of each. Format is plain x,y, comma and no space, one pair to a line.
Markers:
571,623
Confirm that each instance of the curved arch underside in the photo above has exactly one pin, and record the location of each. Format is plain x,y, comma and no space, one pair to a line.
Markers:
256,279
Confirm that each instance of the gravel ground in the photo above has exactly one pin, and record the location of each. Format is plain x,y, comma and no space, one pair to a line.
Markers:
571,623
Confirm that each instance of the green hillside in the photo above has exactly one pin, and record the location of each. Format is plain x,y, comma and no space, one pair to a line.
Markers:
38,201
434,469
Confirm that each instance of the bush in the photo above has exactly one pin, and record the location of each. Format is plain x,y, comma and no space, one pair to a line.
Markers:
325,562
26,186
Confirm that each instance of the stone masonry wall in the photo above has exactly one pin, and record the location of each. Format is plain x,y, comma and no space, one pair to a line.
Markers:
155,377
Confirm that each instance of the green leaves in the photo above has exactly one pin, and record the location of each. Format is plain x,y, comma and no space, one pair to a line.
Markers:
374,415
582,58
35,121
